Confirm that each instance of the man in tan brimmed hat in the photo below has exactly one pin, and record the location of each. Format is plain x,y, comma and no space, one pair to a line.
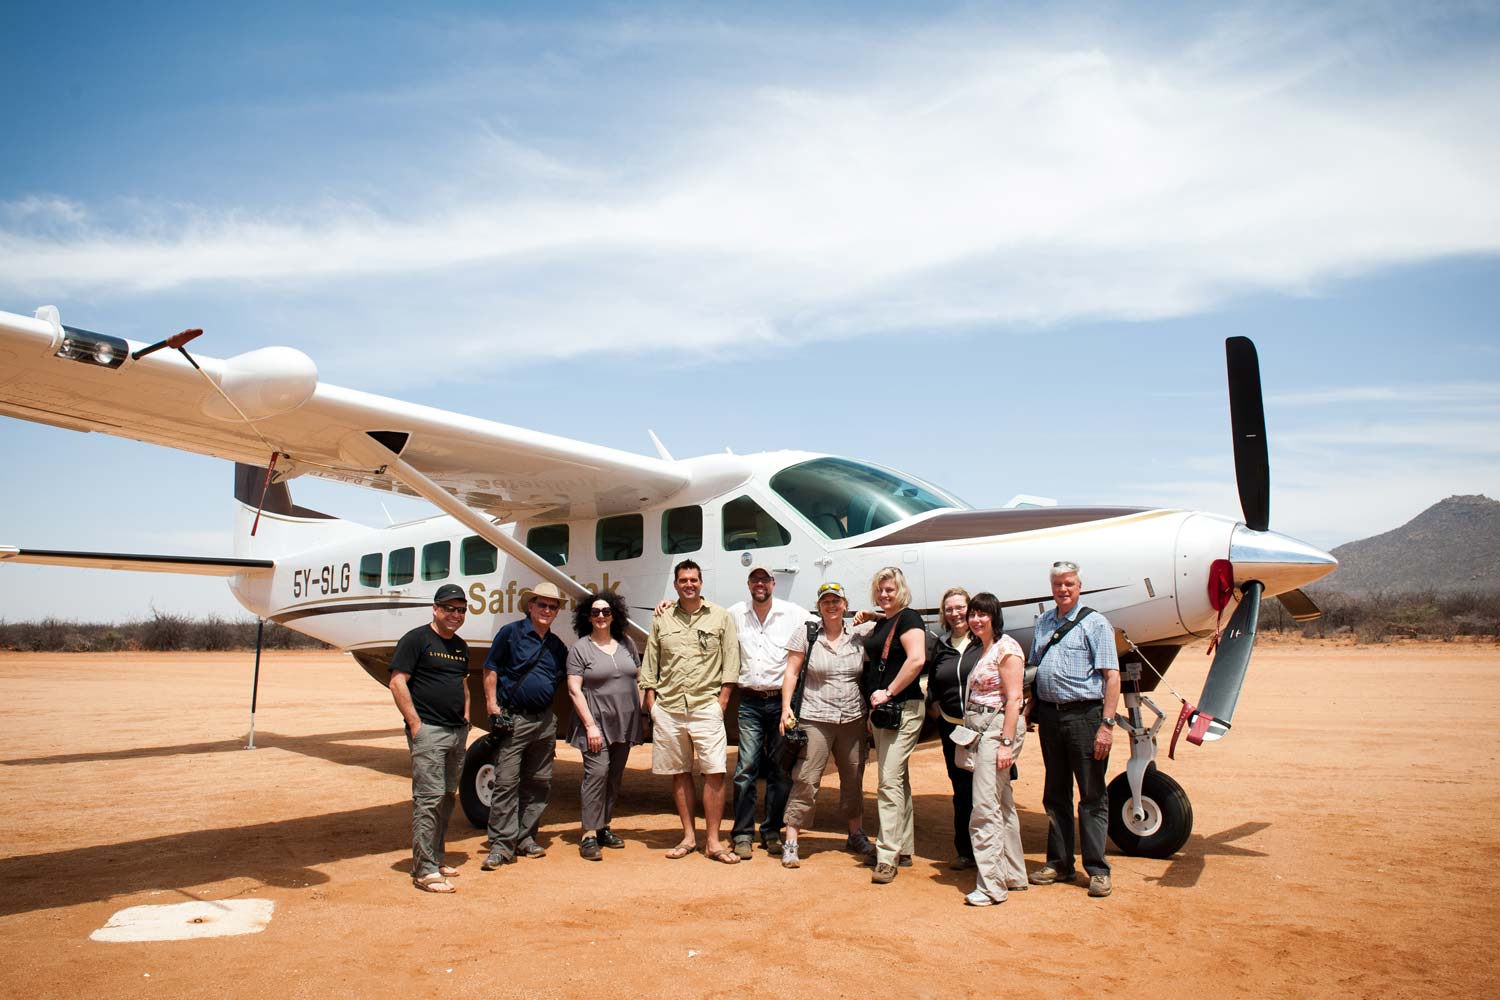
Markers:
523,671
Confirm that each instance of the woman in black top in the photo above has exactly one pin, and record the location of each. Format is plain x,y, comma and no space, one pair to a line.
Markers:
944,705
897,650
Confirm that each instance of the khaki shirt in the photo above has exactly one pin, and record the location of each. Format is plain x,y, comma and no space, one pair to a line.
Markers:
689,657
833,672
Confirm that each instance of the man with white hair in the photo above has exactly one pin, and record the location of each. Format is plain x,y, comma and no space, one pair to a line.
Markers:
1076,690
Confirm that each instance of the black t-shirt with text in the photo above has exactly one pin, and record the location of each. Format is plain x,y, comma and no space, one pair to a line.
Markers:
887,670
437,670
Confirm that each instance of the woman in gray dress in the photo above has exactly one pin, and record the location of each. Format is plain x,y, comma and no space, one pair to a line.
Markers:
602,669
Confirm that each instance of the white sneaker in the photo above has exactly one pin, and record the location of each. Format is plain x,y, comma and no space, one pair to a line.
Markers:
789,857
977,898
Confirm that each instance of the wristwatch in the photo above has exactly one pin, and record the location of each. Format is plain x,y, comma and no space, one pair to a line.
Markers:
1109,722
1007,743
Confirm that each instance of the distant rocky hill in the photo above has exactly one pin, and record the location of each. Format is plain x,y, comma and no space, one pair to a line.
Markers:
1451,547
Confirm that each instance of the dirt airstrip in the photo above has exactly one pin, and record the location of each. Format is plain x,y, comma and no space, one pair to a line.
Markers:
1346,844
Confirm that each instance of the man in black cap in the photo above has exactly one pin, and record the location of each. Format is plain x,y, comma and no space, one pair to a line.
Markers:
429,680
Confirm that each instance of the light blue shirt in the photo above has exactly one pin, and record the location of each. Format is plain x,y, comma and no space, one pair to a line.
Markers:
1073,669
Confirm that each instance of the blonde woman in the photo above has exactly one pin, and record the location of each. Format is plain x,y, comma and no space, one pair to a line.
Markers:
991,695
944,705
897,652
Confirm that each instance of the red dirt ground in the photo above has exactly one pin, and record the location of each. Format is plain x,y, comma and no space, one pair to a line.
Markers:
1343,835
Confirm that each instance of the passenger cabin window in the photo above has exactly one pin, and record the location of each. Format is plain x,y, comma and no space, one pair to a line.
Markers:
550,541
843,498
622,537
477,557
435,560
369,570
401,566
682,530
748,526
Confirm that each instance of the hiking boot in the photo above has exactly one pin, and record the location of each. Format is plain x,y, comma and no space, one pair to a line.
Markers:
531,849
743,848
1099,885
859,844
789,857
607,838
495,860
884,874
1047,875
903,861
977,898
771,843
962,863
588,849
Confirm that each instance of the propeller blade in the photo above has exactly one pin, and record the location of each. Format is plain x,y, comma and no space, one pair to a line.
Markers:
1247,420
1300,606
1221,690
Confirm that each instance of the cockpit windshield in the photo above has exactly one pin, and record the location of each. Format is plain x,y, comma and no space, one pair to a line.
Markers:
843,498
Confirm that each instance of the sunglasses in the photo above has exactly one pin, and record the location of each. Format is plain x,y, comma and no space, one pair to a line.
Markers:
1070,567
544,606
601,613
453,609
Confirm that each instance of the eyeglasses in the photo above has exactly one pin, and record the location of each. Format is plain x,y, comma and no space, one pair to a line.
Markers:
453,609
1065,566
541,606
601,613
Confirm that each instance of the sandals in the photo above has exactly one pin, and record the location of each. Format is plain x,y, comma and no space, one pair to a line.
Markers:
448,871
681,851
723,857
433,882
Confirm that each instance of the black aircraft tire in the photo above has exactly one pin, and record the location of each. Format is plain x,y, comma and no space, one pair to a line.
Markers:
478,761
1169,816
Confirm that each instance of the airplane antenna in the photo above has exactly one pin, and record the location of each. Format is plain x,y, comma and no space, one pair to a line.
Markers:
661,449
389,520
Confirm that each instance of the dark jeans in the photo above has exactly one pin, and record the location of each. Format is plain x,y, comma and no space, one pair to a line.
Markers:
760,738
1067,738
963,792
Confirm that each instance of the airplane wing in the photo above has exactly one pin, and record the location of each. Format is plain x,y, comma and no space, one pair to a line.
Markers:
246,407
192,565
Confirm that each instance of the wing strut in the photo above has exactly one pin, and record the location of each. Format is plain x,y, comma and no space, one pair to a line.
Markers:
377,456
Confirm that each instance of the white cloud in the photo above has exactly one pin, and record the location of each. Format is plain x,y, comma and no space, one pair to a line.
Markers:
1027,183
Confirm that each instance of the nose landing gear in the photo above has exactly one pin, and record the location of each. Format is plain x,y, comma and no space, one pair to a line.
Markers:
1149,813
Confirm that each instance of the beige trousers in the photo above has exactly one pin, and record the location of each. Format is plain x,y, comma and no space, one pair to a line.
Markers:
893,749
994,827
845,743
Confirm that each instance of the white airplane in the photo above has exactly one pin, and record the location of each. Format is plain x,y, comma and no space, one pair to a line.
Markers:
519,507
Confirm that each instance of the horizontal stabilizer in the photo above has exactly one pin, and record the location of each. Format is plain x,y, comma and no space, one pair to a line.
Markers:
138,563
1300,606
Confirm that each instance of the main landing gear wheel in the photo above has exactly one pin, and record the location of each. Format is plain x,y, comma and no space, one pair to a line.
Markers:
1168,821
474,784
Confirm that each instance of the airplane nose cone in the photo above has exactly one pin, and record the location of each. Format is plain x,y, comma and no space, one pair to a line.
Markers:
1279,561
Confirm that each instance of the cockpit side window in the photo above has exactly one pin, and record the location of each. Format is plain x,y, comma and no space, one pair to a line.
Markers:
843,498
748,526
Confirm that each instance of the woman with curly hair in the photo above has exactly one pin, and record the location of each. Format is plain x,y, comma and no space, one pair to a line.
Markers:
602,670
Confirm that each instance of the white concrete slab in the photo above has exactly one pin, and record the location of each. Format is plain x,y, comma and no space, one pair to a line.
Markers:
184,921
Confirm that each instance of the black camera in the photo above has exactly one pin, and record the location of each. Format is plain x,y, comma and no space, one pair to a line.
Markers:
502,723
886,715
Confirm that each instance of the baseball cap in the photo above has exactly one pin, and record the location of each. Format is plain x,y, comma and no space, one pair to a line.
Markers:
449,592
760,568
837,589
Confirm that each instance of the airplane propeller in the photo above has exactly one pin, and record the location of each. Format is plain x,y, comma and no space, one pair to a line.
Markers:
1210,719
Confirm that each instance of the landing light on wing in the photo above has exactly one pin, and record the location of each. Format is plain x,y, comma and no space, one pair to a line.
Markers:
92,348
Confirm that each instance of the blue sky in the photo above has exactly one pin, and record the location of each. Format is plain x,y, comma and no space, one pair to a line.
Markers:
996,246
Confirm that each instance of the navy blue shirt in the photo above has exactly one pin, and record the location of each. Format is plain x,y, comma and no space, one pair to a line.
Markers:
517,645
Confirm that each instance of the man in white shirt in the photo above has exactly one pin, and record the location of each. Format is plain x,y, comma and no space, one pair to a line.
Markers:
765,625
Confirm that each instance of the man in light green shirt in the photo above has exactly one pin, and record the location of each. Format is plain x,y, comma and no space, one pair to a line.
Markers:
692,661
